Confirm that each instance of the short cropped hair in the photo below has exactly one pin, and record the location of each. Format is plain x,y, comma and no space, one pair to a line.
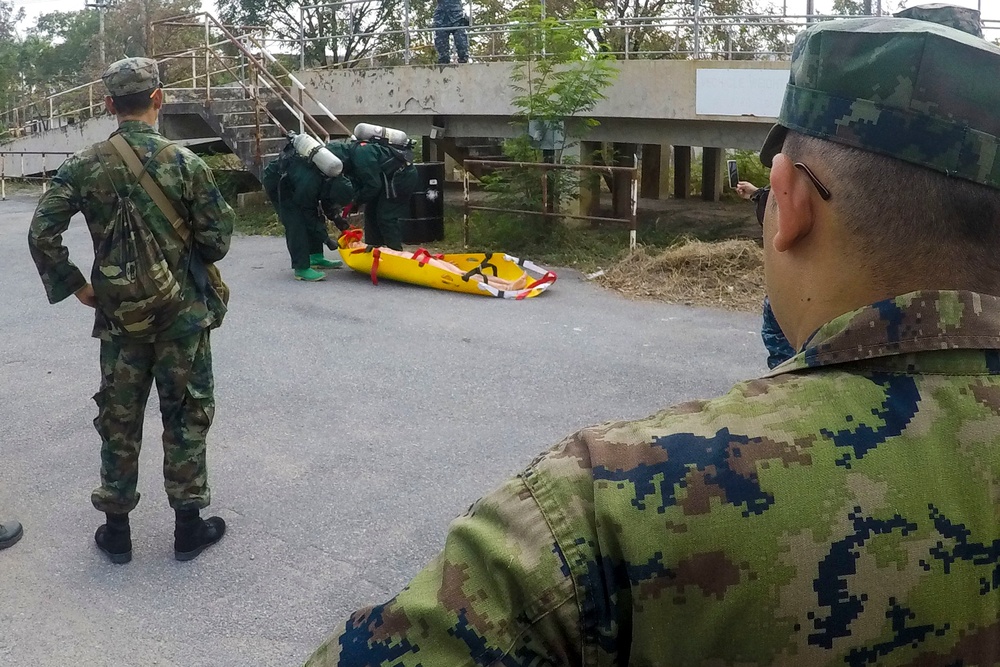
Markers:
133,103
910,221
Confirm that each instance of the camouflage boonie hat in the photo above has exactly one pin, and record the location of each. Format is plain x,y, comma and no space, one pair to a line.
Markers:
960,18
131,75
912,90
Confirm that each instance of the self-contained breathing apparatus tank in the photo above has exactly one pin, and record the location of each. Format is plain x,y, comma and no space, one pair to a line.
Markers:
382,135
313,150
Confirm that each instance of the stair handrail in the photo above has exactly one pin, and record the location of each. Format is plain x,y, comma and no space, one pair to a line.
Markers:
299,110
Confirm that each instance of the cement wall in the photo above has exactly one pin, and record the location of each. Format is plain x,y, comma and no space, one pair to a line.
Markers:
651,101
68,139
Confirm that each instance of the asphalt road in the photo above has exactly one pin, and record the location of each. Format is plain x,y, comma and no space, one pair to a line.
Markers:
353,423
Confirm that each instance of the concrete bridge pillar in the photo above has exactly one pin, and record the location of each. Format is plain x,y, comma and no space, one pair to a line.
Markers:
711,173
682,172
649,185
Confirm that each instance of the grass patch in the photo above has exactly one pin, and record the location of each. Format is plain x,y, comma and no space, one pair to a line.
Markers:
726,274
258,220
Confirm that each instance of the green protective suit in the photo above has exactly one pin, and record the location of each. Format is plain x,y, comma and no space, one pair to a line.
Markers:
384,182
297,189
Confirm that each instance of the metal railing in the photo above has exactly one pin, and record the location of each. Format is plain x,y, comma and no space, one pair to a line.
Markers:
248,67
695,35
548,209
21,175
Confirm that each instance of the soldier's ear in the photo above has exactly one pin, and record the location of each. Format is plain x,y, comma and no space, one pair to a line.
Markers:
790,213
157,97
109,104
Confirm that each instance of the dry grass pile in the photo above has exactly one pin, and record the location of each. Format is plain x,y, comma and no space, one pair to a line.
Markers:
724,274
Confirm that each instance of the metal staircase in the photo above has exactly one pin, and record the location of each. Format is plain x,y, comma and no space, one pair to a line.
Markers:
237,91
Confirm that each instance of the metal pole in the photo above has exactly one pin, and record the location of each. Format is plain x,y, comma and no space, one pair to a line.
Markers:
100,12
697,37
45,182
3,179
406,32
465,213
302,39
810,10
634,195
208,62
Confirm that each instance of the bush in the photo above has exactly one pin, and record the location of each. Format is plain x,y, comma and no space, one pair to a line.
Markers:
230,175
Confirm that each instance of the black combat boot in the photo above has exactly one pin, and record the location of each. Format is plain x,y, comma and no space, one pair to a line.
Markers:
10,533
115,538
192,534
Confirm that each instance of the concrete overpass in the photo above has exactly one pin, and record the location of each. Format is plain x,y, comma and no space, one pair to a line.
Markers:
655,104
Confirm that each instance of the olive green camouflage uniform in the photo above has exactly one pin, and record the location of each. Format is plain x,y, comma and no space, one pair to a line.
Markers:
842,510
179,358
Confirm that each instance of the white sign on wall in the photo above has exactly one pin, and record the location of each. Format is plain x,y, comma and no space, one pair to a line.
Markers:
740,92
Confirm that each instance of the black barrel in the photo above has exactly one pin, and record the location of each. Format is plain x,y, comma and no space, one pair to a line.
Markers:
426,221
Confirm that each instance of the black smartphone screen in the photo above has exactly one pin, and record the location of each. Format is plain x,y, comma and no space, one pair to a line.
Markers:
734,173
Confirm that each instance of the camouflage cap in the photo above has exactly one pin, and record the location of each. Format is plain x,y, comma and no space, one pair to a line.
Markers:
913,90
131,75
960,18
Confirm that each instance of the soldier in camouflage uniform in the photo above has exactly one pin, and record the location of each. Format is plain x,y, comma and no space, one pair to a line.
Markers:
844,509
450,20
178,358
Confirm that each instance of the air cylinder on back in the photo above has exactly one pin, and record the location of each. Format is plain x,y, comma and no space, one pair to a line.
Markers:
377,133
311,149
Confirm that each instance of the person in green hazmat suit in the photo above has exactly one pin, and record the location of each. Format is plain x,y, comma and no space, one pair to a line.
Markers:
379,161
301,192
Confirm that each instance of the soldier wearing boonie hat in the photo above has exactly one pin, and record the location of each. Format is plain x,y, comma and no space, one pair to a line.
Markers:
841,510
175,342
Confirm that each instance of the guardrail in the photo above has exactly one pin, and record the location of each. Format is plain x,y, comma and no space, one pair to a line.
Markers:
247,69
696,35
547,206
21,176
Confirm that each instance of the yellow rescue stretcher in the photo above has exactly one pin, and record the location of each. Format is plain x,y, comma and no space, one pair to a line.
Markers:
417,268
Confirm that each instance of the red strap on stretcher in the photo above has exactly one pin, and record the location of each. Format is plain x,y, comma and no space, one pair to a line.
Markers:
549,277
352,234
376,254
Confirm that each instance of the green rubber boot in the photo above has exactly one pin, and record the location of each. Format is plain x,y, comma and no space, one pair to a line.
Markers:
321,262
309,275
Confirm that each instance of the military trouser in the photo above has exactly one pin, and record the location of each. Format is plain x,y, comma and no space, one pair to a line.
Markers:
382,215
182,369
305,234
443,46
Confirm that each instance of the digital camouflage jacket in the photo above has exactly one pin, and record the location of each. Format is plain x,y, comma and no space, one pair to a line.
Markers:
842,510
82,185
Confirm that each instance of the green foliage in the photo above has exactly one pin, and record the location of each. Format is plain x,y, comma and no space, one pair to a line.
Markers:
230,175
558,76
336,33
751,169
558,79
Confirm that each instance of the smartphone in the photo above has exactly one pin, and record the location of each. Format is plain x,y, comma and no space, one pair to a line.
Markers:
734,173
